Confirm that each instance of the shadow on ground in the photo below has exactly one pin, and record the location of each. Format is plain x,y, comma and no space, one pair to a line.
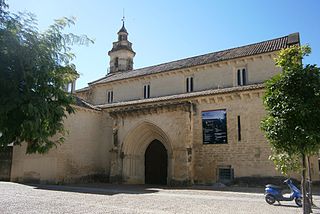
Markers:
246,189
286,205
100,189
112,189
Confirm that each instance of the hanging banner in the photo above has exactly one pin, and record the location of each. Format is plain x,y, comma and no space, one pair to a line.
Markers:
214,126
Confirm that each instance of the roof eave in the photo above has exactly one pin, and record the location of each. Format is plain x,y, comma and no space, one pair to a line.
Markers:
191,95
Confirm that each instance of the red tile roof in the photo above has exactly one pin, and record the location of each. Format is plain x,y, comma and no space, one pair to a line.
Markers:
243,51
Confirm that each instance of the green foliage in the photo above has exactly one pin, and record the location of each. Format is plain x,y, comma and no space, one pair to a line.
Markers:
292,101
34,70
286,163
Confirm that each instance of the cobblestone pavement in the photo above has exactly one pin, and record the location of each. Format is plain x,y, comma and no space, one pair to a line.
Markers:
19,198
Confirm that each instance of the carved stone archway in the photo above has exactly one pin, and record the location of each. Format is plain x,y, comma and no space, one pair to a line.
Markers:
134,148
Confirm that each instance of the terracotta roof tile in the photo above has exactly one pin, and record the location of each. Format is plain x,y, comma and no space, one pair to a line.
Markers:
243,51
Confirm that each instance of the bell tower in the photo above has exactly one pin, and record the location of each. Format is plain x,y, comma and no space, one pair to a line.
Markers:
121,54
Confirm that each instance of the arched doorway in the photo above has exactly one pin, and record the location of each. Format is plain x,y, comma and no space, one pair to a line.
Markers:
134,149
156,163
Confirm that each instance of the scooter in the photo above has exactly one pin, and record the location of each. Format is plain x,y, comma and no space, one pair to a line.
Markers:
274,193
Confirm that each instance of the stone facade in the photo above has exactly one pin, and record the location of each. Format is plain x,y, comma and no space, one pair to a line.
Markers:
114,136
82,157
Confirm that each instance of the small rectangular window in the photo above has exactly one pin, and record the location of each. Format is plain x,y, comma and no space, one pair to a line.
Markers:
146,91
239,128
110,96
189,84
225,174
241,76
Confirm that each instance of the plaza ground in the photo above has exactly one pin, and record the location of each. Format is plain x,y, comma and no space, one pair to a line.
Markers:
105,198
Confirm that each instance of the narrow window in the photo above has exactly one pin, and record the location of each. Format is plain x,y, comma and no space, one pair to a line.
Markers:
239,128
116,62
146,91
189,84
244,80
241,76
110,96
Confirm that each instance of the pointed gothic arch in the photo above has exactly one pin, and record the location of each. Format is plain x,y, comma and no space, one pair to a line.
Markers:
134,148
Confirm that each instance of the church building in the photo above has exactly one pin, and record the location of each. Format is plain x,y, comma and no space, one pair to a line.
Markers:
190,121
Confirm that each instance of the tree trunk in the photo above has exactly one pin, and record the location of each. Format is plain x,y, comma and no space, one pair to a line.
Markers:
309,182
306,203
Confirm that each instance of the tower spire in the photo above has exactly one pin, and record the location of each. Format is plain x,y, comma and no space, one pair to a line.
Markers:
123,17
121,54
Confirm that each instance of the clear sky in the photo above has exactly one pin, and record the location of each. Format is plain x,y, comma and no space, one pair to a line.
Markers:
167,30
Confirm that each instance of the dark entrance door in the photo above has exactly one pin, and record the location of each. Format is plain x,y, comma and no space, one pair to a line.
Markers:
156,163
5,163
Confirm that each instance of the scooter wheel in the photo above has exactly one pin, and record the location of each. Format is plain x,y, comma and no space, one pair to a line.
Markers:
270,199
298,201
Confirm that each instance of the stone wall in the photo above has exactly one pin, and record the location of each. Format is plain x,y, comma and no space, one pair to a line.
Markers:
170,124
248,157
178,125
113,142
211,76
84,155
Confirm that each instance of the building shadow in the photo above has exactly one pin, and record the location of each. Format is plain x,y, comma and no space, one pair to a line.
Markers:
229,189
112,189
97,189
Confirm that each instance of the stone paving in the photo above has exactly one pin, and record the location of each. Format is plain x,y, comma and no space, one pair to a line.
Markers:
102,198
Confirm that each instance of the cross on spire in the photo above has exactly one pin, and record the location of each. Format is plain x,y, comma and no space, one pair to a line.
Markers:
123,17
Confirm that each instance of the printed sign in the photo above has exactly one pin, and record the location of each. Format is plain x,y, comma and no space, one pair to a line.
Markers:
214,126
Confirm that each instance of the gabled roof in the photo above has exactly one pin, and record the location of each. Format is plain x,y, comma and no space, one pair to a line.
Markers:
233,53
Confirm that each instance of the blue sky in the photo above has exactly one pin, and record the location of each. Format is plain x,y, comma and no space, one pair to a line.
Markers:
168,30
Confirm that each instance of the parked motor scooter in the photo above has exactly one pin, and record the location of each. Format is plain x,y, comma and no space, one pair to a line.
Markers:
273,193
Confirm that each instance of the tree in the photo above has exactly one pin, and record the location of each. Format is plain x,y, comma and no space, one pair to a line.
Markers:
34,70
292,101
